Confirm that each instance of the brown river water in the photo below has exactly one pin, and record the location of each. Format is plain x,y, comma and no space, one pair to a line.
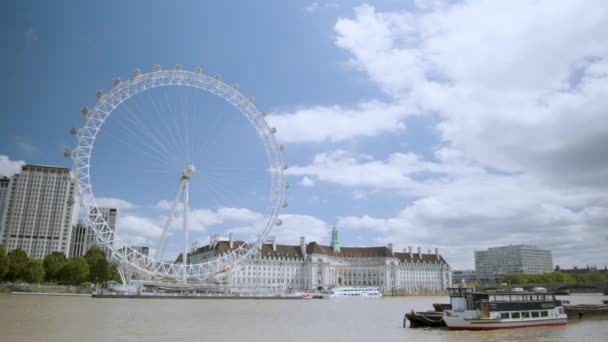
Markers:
51,318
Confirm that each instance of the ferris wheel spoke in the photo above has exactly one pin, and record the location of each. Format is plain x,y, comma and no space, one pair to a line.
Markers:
162,118
151,150
139,127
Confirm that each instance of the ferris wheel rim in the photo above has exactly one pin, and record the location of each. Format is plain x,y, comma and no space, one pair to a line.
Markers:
82,154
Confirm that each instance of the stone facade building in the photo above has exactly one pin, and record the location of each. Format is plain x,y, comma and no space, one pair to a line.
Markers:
311,266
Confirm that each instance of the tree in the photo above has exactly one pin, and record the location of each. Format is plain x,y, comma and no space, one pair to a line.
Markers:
4,263
34,272
98,265
53,264
18,262
75,272
113,272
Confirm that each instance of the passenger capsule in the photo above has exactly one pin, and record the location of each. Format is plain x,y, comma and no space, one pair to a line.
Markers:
278,222
262,114
235,87
273,130
286,185
281,148
73,131
285,166
250,99
284,205
116,81
99,94
198,71
218,77
67,153
136,73
178,67
84,110
156,68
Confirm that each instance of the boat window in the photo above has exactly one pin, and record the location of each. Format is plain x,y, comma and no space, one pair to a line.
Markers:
544,314
535,314
515,315
504,315
525,314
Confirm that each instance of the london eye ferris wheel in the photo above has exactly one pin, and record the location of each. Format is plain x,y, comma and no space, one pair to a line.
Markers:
196,151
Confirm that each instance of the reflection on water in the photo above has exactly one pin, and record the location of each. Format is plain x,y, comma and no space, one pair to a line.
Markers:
41,318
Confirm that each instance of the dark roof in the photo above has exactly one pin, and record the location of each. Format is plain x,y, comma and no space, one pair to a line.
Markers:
49,167
348,252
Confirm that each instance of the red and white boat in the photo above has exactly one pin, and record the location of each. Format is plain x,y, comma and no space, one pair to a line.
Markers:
307,296
488,311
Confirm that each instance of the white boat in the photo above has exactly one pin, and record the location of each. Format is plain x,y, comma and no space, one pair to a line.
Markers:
353,292
488,311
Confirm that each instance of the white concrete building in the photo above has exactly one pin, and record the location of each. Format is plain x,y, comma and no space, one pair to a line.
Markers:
492,264
37,212
313,266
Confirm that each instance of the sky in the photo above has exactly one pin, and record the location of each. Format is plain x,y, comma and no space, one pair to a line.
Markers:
458,125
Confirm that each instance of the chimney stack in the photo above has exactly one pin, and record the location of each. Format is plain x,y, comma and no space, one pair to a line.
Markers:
390,248
261,242
274,243
437,252
419,253
303,246
410,251
230,243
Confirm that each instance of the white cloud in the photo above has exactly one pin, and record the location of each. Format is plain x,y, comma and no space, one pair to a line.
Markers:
359,195
522,96
336,123
307,182
315,6
518,93
290,231
107,202
400,172
295,226
9,167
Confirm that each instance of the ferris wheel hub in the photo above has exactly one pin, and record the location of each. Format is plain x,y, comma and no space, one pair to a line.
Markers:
188,171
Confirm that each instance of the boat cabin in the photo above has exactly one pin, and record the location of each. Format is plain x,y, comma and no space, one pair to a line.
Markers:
509,305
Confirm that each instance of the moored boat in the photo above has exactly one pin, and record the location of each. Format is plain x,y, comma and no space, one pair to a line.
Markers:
586,311
353,292
488,311
423,319
441,307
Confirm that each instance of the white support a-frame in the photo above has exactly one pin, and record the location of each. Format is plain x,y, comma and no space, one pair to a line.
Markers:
182,190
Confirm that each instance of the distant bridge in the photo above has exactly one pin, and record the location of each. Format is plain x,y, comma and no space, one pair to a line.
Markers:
587,286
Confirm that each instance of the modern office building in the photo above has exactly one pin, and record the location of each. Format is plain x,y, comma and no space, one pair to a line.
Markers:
492,264
4,183
83,236
311,266
37,210
109,215
464,276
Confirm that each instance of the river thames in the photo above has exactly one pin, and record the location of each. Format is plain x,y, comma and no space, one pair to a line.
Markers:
50,318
